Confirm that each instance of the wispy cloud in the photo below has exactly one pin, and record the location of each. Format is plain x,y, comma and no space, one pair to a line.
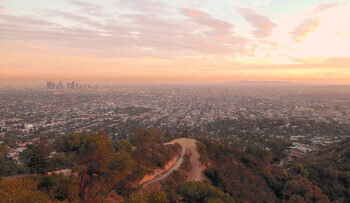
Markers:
324,7
209,26
88,8
178,40
262,25
304,28
131,34
311,23
74,18
146,6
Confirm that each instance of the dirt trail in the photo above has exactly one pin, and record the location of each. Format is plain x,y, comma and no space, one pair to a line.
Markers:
196,172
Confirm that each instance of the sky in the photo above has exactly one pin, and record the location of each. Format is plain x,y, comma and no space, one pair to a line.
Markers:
175,41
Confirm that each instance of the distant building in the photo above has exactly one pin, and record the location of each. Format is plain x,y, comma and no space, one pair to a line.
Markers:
28,126
50,85
60,85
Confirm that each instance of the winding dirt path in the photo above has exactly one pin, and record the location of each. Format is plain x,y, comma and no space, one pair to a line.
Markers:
196,172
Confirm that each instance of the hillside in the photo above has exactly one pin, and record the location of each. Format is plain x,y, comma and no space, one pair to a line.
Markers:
329,169
248,175
146,167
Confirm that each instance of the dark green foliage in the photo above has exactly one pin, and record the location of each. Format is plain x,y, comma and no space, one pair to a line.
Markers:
21,190
36,156
94,151
61,161
149,151
298,168
152,197
251,176
301,190
238,173
157,197
124,145
59,187
202,192
93,156
7,166
172,196
330,170
102,169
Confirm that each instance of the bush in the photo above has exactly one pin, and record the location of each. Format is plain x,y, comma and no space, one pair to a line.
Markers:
202,192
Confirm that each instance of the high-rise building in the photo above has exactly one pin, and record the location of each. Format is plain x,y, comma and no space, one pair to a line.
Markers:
60,85
50,85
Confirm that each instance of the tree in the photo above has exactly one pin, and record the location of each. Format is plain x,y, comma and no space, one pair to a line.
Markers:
7,165
124,145
94,157
59,187
299,188
21,190
157,197
202,192
152,197
61,161
36,156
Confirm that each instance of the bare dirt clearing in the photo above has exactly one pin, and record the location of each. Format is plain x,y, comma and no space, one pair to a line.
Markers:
196,171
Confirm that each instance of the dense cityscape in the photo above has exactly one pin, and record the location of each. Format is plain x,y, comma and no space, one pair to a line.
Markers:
190,101
306,117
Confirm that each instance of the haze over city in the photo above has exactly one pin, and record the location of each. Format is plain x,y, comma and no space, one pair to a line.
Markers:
175,41
175,101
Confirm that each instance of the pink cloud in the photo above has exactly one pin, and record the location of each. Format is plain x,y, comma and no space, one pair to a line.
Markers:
205,19
310,24
89,8
1,9
304,28
147,6
210,27
324,7
130,34
262,24
74,18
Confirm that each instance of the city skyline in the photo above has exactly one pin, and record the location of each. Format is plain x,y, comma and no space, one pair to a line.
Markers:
182,41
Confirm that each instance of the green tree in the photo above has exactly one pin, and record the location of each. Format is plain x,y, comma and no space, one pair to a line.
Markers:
124,145
202,192
36,156
21,190
157,197
152,197
302,190
7,165
93,155
59,187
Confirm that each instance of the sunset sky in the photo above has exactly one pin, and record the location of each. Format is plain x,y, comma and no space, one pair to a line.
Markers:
175,40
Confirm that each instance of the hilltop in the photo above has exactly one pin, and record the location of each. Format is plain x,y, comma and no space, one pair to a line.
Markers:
150,166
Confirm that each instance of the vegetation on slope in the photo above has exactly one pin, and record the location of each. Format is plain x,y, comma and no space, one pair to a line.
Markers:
329,169
248,175
104,170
